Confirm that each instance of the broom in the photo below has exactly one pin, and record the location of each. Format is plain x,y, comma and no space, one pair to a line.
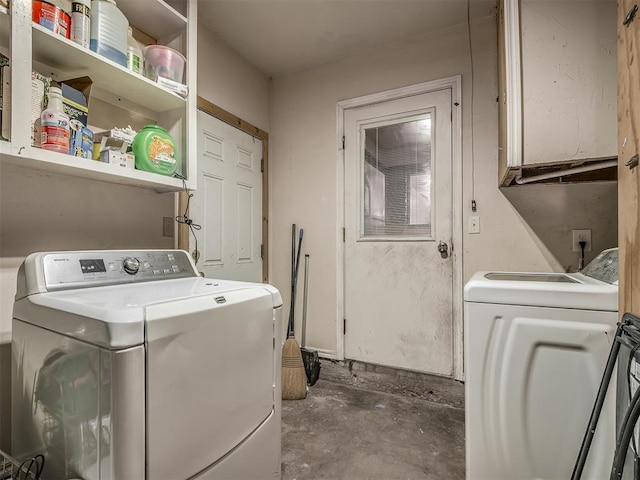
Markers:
294,377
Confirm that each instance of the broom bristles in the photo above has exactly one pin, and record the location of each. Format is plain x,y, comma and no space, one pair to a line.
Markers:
294,377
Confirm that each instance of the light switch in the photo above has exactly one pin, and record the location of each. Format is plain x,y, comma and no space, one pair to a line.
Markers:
474,224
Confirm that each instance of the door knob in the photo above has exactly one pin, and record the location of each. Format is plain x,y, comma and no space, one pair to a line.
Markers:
443,248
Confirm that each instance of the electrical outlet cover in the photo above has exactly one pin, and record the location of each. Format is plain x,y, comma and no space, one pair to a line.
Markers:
579,235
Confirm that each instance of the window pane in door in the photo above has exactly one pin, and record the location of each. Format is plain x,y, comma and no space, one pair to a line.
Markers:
396,189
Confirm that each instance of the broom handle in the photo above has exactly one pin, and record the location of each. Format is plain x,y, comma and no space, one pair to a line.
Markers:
304,299
295,282
293,278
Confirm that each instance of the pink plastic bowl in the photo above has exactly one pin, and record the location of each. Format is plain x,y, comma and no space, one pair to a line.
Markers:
160,61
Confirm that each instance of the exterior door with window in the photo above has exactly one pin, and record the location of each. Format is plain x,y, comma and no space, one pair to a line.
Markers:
228,202
398,208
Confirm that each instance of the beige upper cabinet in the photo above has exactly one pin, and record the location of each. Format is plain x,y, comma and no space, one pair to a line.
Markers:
557,88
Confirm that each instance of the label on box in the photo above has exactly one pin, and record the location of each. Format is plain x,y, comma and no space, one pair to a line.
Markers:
81,140
179,88
75,104
114,157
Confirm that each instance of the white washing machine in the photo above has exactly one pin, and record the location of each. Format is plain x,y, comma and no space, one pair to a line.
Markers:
129,365
535,349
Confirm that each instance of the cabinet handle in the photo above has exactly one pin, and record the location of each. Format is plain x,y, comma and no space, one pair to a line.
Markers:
631,16
633,162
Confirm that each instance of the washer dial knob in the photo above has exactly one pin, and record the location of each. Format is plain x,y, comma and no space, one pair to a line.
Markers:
131,265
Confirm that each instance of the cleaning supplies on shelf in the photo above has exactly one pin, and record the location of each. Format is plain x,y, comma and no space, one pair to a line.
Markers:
55,124
52,17
112,147
81,22
135,60
155,150
81,140
109,29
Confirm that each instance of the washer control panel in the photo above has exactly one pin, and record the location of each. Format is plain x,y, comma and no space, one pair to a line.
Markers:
63,270
131,265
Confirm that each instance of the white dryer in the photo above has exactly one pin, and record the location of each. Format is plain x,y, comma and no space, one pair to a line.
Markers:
129,365
535,349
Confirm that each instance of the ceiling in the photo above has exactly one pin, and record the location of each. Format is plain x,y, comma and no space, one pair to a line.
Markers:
284,36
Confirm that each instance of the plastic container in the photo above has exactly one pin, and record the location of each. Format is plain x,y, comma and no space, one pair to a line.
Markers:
81,22
164,62
55,124
134,54
51,17
155,150
109,29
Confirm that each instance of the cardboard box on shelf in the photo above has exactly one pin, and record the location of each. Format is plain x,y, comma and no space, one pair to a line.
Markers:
81,140
179,88
116,157
110,143
122,134
75,98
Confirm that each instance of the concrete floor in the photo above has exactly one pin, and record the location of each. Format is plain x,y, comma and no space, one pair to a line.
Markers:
342,431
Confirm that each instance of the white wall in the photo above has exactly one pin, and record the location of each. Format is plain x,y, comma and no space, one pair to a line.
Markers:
231,82
304,161
42,211
553,211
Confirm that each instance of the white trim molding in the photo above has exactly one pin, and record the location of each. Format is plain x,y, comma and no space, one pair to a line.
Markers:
453,83
513,87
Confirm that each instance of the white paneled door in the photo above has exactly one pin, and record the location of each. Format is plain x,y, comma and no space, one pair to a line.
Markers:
398,228
228,202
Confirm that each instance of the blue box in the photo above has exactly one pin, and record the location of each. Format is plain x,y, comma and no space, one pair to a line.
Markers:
81,141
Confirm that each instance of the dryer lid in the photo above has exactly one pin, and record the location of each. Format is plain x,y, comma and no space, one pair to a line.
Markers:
113,316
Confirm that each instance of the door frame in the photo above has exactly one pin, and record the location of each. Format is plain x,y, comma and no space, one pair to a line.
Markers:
454,83
182,237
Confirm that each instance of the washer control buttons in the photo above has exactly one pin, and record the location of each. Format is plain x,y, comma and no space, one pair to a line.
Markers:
131,265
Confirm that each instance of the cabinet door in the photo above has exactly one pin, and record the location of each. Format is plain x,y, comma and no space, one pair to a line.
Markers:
557,93
628,148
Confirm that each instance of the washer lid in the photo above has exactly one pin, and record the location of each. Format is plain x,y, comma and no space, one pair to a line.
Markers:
561,290
113,316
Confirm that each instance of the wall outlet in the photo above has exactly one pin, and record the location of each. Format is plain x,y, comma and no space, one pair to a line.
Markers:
474,224
168,226
581,235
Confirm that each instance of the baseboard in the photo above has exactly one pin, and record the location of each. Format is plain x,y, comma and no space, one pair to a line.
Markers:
434,388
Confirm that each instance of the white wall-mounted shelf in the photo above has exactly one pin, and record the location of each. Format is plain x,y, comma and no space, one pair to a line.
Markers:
5,148
129,96
90,169
68,56
164,20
